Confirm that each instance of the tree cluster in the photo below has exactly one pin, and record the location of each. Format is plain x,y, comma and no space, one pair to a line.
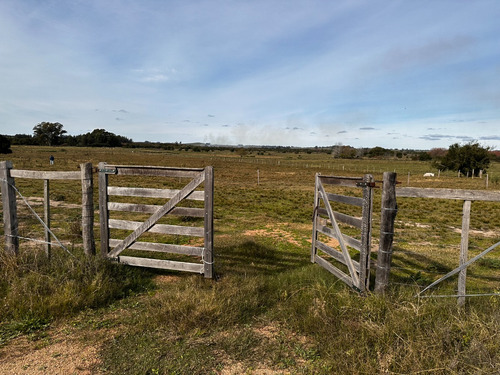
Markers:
468,159
53,134
4,145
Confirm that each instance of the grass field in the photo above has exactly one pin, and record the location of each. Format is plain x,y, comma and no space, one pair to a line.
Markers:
270,311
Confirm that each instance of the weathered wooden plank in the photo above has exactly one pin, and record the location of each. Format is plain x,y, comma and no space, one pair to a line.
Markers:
157,228
46,175
152,193
340,238
315,218
161,264
334,270
366,233
151,208
155,167
103,209
169,206
471,195
340,181
343,218
9,208
350,241
335,254
161,247
354,201
464,250
155,171
46,216
208,257
87,209
389,210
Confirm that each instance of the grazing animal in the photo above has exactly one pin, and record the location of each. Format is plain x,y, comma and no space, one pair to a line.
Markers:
428,174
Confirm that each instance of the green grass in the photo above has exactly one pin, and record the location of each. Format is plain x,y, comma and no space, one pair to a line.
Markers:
270,309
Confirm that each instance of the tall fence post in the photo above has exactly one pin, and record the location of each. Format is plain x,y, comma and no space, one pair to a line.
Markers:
103,209
46,216
208,256
388,215
9,208
464,249
87,209
366,233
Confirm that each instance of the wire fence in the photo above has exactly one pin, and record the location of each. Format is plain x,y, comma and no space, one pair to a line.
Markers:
427,246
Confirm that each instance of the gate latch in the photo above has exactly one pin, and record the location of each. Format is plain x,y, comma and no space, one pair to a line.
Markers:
365,184
108,171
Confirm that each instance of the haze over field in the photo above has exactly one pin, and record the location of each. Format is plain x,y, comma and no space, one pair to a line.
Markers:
396,74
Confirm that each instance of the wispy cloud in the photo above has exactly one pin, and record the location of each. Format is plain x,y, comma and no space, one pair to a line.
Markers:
285,72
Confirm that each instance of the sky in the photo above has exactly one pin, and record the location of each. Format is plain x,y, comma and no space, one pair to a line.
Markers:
400,74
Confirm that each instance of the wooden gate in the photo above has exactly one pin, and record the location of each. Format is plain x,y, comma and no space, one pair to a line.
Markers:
330,247
113,248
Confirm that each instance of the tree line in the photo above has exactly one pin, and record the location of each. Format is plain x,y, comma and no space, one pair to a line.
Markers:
53,134
468,159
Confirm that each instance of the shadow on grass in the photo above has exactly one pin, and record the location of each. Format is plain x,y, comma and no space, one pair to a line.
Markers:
250,258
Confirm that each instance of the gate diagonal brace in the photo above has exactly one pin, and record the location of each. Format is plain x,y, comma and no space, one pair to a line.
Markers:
169,206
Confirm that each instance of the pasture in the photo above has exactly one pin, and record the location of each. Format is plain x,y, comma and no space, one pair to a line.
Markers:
270,311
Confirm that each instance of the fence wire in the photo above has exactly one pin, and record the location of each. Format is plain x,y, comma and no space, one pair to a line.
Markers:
22,218
427,246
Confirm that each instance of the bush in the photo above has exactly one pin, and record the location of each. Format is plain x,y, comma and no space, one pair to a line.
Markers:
469,159
5,145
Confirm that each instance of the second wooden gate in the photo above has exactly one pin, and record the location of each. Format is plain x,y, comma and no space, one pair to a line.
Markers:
330,247
187,250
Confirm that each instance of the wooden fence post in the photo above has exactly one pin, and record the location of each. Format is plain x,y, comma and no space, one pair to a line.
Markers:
388,215
464,249
208,256
103,209
46,215
87,209
9,208
314,218
366,233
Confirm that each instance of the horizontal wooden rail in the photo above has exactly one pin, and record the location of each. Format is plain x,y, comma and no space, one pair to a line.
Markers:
335,271
335,254
151,208
353,201
162,264
343,218
151,193
134,170
46,175
158,228
350,241
162,248
466,195
341,181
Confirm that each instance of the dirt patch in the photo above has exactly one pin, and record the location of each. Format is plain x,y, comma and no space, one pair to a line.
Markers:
62,355
274,231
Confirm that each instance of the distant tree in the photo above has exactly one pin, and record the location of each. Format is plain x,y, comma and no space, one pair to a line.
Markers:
102,138
468,159
22,139
424,156
5,145
438,153
48,133
377,152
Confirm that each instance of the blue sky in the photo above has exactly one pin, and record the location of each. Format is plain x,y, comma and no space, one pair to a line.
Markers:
397,74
